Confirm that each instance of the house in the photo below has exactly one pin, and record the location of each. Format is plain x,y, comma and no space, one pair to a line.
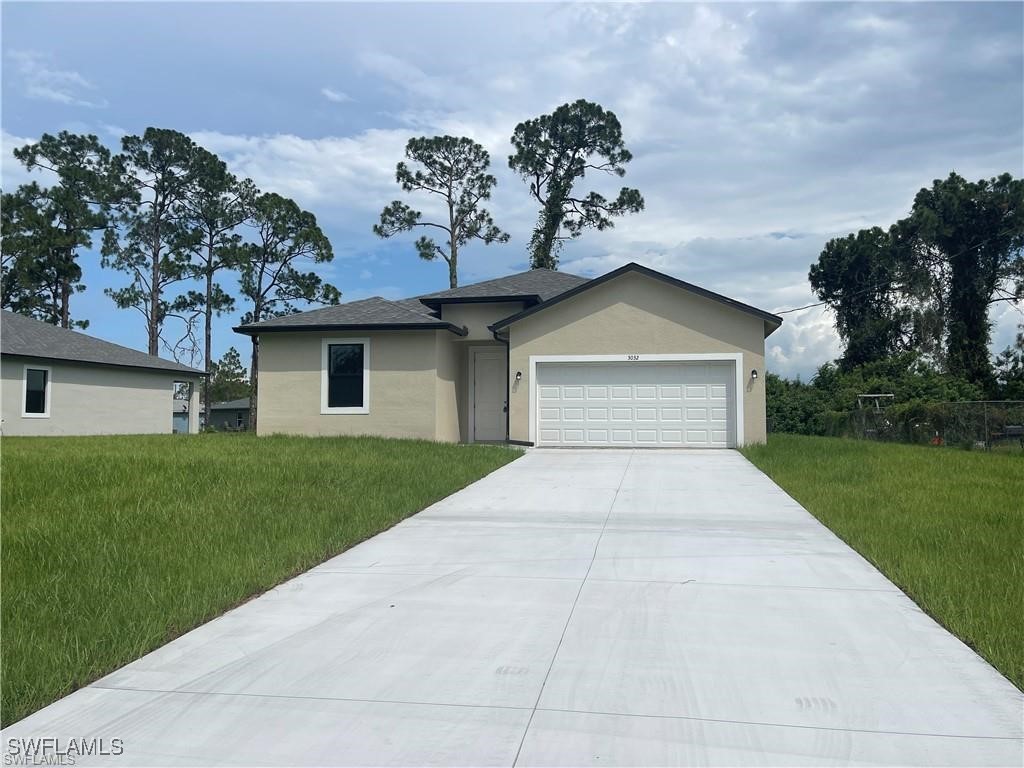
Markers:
632,358
54,381
230,416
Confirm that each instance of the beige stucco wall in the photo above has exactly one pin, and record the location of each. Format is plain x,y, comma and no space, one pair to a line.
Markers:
450,395
93,399
476,317
403,389
635,314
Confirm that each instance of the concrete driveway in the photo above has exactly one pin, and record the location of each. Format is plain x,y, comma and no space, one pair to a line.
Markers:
573,608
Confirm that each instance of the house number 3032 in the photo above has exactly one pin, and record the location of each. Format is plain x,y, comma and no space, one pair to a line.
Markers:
632,357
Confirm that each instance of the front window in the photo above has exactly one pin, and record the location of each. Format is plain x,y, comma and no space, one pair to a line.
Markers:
345,376
37,391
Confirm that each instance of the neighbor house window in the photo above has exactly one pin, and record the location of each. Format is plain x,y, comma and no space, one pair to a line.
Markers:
37,392
345,376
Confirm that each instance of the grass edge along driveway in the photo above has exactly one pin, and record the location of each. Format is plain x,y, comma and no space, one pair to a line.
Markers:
943,524
113,546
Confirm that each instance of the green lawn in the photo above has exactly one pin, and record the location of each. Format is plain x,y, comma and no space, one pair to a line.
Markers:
944,524
112,546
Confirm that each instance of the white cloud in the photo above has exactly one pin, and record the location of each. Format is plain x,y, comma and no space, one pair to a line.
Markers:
338,97
12,172
804,342
42,80
330,173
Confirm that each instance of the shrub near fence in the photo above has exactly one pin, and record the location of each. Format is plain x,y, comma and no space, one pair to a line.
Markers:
979,423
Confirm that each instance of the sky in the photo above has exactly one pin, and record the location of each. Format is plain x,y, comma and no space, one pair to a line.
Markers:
758,131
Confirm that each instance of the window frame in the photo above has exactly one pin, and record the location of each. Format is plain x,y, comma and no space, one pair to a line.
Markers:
327,410
47,391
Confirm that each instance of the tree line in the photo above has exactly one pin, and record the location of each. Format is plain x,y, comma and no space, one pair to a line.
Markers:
169,215
912,306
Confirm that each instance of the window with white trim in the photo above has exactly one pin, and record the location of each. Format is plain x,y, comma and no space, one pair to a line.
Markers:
345,376
36,402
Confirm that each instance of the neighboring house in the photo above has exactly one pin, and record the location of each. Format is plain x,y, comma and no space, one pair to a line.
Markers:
54,381
632,358
232,415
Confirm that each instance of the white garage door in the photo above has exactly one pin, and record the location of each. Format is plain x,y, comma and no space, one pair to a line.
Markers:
690,405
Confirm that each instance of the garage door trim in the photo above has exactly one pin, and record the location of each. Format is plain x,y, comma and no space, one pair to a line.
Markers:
736,358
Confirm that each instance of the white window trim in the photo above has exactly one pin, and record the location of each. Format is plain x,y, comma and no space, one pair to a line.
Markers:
46,395
326,410
736,358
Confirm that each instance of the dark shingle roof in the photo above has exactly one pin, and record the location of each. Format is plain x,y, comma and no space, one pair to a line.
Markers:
543,284
20,335
369,314
231,405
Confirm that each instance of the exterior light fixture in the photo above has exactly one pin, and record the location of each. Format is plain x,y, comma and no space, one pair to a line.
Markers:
519,375
753,374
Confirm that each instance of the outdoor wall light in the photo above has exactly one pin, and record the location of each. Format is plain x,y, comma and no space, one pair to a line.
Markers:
519,375
753,374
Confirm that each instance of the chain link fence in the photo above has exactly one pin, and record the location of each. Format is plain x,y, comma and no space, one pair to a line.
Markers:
985,424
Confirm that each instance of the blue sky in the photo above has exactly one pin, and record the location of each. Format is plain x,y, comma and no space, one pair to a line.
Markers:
758,131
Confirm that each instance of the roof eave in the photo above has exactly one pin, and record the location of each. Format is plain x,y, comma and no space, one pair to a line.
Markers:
184,370
251,330
525,298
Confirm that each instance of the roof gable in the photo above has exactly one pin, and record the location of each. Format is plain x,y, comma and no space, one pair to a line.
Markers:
28,337
770,320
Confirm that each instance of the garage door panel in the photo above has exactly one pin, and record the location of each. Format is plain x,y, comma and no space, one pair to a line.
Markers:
672,404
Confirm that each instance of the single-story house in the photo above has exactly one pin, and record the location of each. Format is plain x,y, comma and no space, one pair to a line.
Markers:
54,381
632,358
231,415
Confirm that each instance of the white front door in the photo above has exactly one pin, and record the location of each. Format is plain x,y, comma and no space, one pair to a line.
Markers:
489,394
669,404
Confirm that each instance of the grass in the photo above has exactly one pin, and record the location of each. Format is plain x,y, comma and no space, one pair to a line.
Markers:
112,546
944,524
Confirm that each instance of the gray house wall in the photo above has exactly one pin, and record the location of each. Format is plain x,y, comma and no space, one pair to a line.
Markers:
87,399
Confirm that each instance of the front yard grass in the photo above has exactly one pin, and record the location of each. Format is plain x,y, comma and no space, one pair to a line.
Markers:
112,546
944,524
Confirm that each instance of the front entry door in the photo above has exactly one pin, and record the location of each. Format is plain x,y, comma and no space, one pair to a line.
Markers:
489,394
